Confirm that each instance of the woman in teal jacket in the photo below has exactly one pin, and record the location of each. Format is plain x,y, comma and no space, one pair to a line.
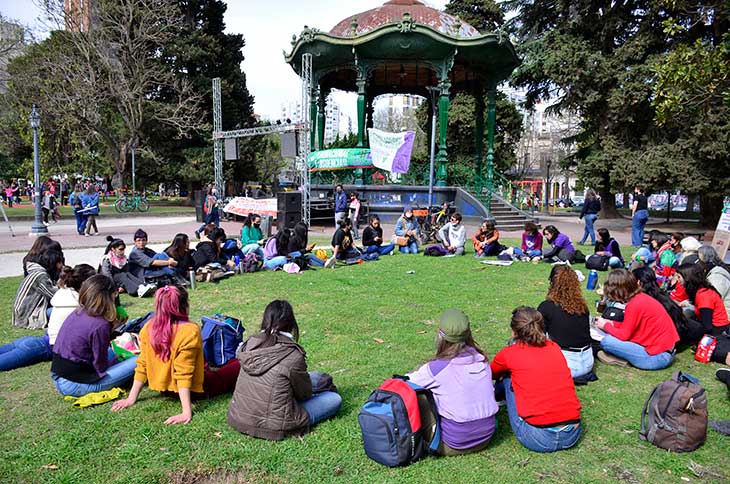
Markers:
252,238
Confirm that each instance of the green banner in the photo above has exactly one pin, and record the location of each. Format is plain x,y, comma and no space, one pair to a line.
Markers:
340,159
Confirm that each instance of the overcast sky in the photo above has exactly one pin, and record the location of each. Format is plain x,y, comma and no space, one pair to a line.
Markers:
267,26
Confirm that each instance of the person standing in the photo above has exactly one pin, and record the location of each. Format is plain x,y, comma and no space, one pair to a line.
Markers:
64,190
90,200
340,204
74,199
639,216
210,209
355,214
589,214
10,192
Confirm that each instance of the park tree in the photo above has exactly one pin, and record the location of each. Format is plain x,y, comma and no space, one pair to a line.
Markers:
484,15
106,79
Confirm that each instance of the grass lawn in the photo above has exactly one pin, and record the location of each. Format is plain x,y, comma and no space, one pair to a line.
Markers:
344,314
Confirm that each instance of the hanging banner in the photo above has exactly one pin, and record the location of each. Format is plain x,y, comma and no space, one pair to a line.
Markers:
339,159
245,205
391,151
721,240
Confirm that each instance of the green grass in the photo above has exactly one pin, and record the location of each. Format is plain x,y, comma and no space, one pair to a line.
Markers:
340,313
26,210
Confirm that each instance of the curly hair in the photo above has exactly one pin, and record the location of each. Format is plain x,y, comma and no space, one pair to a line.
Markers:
565,291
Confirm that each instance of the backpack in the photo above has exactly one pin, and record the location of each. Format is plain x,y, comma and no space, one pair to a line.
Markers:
435,250
578,256
674,416
301,261
614,312
390,422
133,325
221,336
251,263
270,249
597,262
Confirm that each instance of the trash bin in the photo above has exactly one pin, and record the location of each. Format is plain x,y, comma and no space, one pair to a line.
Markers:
267,222
198,203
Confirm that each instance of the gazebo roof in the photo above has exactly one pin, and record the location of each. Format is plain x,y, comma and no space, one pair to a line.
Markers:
404,46
393,11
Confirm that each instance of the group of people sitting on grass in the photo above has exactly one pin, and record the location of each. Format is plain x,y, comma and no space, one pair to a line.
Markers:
645,321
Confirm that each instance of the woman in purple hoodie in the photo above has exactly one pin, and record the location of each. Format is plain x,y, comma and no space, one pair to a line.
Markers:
562,249
461,381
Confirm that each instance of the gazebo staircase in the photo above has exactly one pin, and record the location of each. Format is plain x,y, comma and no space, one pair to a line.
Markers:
501,202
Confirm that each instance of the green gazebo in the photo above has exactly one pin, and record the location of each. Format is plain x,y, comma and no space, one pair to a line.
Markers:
405,47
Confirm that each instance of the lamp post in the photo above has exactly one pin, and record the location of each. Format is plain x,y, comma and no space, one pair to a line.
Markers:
547,185
38,228
134,174
432,91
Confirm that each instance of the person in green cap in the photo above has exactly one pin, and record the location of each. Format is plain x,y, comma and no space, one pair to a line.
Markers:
461,382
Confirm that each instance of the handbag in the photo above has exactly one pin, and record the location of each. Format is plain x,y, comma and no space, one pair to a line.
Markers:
401,241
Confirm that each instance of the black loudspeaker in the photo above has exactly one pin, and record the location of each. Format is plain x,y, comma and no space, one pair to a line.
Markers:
288,219
289,201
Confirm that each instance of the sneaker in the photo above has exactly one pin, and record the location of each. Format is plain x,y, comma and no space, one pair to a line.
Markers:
609,359
536,259
330,262
197,235
723,374
525,258
87,235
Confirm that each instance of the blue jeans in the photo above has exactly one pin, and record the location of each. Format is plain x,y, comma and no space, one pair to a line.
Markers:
321,406
411,248
117,375
529,253
255,248
213,217
311,258
538,439
274,262
153,271
637,227
80,222
590,219
635,354
380,249
579,362
25,351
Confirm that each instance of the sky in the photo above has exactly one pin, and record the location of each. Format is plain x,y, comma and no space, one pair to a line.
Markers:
267,27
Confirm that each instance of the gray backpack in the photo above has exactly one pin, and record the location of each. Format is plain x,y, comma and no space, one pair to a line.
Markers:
675,414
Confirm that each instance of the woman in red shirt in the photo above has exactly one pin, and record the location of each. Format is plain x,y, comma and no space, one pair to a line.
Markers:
542,405
708,305
647,335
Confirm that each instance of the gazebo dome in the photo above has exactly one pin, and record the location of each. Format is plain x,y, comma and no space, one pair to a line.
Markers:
393,11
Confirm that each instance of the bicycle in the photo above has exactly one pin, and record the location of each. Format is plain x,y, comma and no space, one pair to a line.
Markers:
127,203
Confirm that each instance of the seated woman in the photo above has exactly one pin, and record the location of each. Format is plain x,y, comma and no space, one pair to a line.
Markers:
31,307
171,357
299,245
543,408
689,331
453,235
273,396
709,309
343,247
718,274
562,248
30,350
372,238
461,381
666,249
608,246
41,245
567,320
647,335
145,263
209,251
406,228
486,240
114,265
275,249
531,248
689,254
252,238
180,250
81,360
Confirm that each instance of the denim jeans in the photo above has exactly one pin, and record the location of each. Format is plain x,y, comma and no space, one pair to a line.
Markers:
321,406
80,222
638,222
530,252
579,362
158,271
411,248
274,262
635,354
255,248
538,439
119,374
590,219
380,249
25,351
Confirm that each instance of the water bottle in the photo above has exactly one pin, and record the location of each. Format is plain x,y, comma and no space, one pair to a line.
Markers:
592,280
191,277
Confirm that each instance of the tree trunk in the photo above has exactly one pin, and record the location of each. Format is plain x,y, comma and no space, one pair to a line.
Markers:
119,161
608,205
710,210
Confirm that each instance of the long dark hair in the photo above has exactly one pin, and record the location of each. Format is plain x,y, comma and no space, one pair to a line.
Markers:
42,244
282,241
177,247
301,234
74,277
694,279
553,231
248,221
279,316
649,286
217,235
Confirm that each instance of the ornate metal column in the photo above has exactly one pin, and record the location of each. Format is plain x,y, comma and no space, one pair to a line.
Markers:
361,91
313,117
478,134
321,118
442,155
491,121
369,112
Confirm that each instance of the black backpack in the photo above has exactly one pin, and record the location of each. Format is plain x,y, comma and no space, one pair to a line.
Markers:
597,262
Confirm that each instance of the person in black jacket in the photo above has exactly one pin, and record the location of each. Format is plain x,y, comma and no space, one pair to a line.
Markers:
299,245
209,251
372,238
591,207
180,250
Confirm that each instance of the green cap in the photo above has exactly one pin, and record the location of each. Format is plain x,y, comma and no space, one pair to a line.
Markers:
454,326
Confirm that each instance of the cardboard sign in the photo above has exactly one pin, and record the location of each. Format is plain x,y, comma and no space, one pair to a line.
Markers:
721,240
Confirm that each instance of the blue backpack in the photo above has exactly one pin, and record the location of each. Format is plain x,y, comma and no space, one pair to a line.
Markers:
390,421
221,336
133,325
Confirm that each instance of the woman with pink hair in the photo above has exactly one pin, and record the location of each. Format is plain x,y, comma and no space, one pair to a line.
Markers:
171,357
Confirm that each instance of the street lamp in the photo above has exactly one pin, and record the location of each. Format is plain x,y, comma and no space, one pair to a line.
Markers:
432,91
134,174
547,185
38,228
